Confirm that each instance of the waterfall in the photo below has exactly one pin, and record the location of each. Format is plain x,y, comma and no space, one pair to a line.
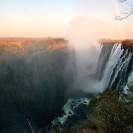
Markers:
109,67
116,69
129,81
113,60
123,72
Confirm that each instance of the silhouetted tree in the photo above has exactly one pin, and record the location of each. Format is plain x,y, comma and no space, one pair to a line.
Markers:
125,13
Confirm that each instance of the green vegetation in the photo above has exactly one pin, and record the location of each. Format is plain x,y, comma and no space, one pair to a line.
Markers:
110,112
26,46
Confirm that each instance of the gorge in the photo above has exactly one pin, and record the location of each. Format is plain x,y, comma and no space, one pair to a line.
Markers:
38,76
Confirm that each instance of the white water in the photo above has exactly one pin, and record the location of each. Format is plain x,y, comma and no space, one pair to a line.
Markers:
113,61
87,63
116,65
68,110
129,81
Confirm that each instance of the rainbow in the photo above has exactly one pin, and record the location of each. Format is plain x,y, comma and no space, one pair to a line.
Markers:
121,24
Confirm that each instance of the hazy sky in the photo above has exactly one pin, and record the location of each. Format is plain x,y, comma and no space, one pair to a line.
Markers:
64,18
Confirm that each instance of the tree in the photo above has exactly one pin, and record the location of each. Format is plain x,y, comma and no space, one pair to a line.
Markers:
106,115
109,112
112,111
126,13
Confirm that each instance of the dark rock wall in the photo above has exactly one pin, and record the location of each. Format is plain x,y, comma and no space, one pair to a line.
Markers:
34,87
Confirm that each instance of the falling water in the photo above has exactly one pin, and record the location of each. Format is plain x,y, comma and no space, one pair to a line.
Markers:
117,66
110,68
130,80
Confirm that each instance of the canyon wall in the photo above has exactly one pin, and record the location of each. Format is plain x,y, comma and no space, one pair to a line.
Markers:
35,77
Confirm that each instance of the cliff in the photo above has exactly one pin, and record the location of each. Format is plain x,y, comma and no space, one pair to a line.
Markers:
127,42
35,77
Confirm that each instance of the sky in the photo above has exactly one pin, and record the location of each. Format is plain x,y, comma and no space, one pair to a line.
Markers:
72,19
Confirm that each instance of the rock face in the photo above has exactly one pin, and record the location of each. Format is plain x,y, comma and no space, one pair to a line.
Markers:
35,76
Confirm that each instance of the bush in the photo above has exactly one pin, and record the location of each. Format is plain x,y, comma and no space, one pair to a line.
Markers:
112,111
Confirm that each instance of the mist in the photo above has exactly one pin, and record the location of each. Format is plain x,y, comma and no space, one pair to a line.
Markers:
84,34
51,54
35,77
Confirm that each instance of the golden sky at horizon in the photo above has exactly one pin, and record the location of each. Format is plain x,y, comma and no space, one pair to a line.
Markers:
73,19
